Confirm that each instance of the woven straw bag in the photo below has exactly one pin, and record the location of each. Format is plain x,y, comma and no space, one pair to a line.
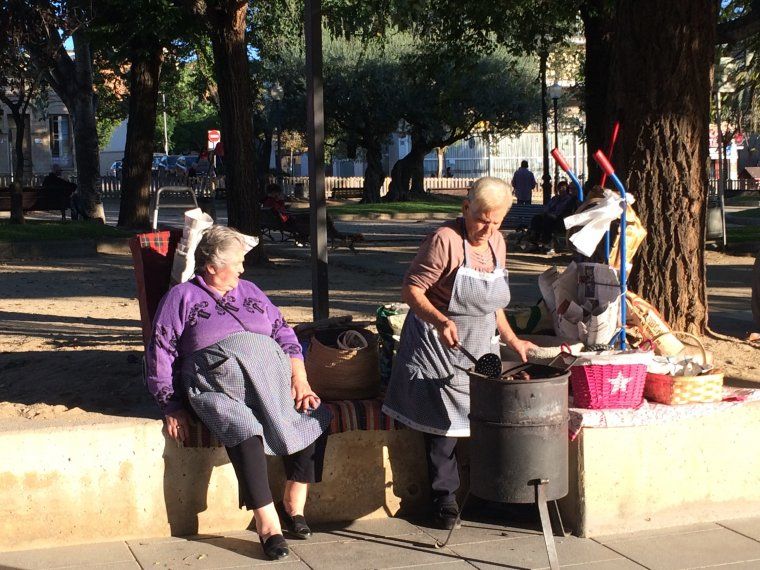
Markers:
674,390
343,373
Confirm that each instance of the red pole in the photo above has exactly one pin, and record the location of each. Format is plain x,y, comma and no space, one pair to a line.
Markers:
613,140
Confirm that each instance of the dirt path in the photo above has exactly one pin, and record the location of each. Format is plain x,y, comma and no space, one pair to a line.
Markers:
70,330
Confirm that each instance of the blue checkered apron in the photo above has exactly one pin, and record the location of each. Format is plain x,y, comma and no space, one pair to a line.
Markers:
240,387
426,392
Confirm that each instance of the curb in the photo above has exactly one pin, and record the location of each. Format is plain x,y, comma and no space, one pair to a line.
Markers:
742,221
64,249
397,216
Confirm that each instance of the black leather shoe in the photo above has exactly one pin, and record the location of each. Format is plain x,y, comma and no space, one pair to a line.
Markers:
295,525
446,516
275,547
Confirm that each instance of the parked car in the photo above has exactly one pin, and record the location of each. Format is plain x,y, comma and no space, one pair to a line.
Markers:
167,163
157,158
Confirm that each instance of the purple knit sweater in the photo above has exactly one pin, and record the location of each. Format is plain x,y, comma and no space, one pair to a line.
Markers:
189,318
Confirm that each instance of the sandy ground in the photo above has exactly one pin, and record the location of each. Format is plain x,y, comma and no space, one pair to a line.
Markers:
72,347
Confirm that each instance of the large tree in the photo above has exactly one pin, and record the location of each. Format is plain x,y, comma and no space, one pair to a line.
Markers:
155,26
48,25
448,99
364,100
225,25
20,85
662,60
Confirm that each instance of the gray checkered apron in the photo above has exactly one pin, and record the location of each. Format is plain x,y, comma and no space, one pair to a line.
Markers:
240,387
426,392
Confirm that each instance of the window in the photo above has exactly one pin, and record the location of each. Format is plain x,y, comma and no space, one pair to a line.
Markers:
61,140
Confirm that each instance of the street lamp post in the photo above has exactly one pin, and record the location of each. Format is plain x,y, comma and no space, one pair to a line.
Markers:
547,182
166,135
555,92
276,92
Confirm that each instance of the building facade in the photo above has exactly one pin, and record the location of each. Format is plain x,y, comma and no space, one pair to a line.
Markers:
48,140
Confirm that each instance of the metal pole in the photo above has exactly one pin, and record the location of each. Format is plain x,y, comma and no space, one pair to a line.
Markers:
547,184
166,136
556,140
723,174
315,138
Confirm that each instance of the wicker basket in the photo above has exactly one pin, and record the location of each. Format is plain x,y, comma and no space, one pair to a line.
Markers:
342,374
616,383
674,390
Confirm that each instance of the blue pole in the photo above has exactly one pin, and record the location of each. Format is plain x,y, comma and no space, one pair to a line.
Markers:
577,183
623,262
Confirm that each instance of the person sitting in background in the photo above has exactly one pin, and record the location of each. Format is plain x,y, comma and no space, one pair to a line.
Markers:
543,226
55,182
298,222
275,200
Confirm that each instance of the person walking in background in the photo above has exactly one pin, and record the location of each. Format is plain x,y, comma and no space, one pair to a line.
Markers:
523,183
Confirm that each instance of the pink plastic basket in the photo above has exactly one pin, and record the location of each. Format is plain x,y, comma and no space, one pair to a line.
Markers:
599,386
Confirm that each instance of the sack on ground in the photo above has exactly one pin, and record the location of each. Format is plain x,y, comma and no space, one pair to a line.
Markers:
389,320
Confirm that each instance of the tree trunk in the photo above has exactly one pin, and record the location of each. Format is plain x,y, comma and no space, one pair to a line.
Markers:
227,19
440,155
408,174
81,104
263,151
373,175
662,58
18,148
598,31
17,186
138,150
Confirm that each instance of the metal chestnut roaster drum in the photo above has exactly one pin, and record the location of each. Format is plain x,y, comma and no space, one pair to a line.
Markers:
518,440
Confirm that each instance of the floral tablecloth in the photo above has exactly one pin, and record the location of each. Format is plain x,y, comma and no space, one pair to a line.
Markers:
651,413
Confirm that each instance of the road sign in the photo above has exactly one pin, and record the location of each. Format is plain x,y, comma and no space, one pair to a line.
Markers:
214,136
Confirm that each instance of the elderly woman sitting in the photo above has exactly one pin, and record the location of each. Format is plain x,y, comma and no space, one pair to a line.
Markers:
220,346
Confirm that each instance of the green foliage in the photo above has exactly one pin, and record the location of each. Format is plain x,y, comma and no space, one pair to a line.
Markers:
737,74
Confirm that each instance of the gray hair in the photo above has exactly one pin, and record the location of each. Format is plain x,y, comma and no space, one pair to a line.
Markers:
215,243
489,193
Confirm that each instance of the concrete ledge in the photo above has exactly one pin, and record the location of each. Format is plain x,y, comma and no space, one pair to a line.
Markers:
649,477
62,485
125,480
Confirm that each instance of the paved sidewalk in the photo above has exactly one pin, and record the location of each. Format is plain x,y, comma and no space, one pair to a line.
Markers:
396,543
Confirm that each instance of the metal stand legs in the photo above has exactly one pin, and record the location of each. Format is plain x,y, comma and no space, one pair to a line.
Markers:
551,522
546,524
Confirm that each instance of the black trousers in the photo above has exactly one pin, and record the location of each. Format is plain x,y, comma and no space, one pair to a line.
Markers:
443,470
250,463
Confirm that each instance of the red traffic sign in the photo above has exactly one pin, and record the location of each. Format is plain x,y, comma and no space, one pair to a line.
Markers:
214,136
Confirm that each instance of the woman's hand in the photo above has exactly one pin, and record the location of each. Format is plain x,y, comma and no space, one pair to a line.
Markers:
447,331
178,425
521,347
303,395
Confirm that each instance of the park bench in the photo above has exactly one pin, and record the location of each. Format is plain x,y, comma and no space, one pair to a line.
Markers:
346,193
273,229
520,215
39,199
